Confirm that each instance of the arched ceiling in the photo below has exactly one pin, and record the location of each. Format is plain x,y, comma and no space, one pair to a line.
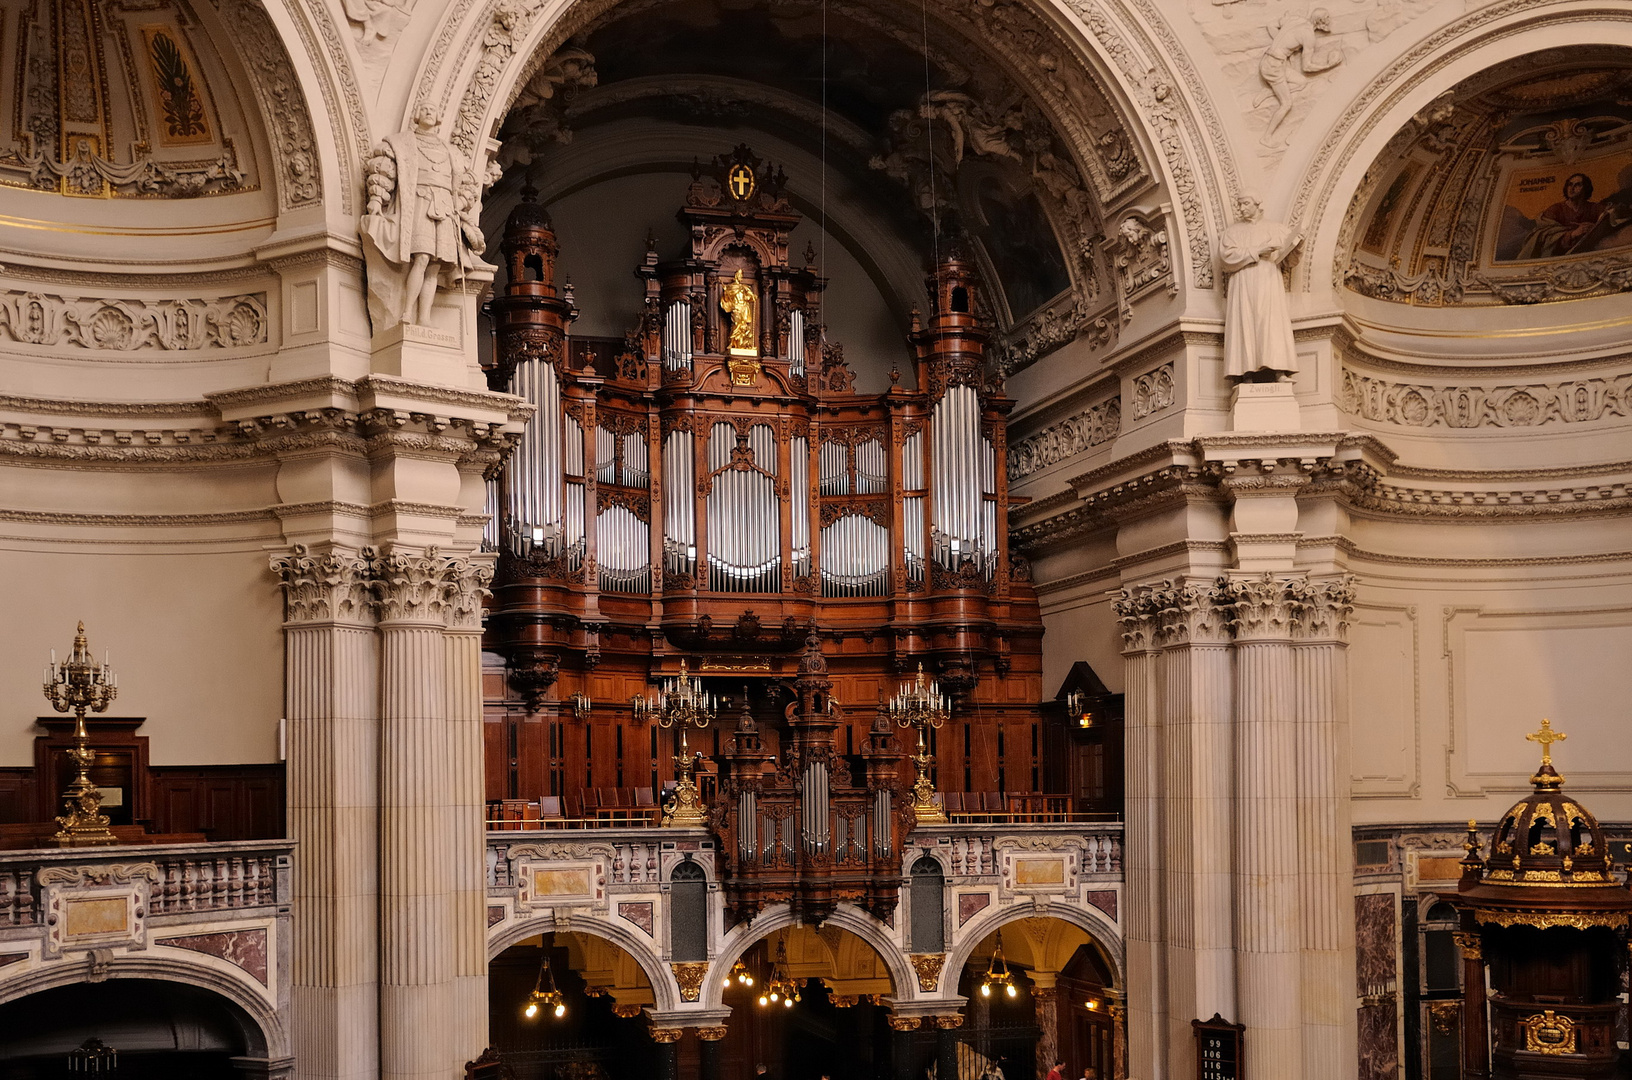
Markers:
1512,189
911,114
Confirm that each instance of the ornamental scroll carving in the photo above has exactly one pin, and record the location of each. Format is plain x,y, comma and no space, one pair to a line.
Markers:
1421,405
227,322
1153,392
928,968
1094,426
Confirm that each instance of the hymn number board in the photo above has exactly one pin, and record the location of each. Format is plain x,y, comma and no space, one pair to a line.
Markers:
1218,1049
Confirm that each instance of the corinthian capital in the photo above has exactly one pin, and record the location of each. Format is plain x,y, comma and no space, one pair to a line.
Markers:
331,587
1190,613
426,588
1137,614
1261,607
1321,609
468,580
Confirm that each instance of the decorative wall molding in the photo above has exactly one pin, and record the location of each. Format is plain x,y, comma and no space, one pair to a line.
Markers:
1052,328
1153,392
1140,255
107,325
1094,426
1423,405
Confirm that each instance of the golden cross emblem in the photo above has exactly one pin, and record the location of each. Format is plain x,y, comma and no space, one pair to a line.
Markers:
1546,737
741,181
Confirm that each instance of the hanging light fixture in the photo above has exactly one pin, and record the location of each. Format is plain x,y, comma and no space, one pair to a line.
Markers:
93,1056
997,973
739,975
780,989
541,998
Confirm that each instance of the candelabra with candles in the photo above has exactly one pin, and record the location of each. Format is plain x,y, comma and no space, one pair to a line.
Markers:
681,703
84,686
922,706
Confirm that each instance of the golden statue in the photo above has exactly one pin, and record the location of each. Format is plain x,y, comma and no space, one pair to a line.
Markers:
737,301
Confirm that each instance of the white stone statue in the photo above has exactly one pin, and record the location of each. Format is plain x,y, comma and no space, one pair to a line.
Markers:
1258,345
421,221
1295,36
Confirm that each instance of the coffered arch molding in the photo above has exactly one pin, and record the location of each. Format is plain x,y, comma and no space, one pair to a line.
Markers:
1317,197
484,52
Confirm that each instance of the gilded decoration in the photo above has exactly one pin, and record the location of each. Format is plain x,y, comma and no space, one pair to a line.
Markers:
689,977
928,967
1549,1033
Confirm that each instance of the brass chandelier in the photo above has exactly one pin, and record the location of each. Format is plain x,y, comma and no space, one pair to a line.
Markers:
541,998
998,974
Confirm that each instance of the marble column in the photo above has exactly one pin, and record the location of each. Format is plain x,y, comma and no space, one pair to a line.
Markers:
1045,1004
946,1044
417,930
468,843
668,1052
331,667
1196,694
1324,843
1267,921
901,1045
1143,838
711,1065
1119,1036
1475,1025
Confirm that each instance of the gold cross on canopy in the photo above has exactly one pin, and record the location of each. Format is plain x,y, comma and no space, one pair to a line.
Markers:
1546,737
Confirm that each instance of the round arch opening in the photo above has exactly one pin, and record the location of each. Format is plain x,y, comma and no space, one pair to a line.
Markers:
159,1030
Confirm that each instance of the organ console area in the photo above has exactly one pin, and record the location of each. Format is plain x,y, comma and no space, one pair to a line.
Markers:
710,494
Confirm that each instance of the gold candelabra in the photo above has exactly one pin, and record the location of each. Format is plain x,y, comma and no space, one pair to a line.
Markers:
83,685
922,706
681,703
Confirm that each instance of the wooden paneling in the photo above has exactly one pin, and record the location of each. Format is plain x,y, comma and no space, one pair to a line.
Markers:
16,796
226,802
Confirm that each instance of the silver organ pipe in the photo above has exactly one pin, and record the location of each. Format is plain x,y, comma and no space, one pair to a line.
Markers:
637,471
605,456
835,473
679,509
744,516
490,529
677,337
623,547
800,488
572,510
955,476
855,557
988,506
872,475
796,343
816,818
535,513
912,506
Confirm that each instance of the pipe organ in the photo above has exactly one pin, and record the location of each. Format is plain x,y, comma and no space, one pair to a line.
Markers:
712,489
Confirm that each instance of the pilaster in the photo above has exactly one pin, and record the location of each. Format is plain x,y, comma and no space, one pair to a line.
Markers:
331,697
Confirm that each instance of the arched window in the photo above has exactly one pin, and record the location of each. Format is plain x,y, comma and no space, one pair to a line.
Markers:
928,899
688,912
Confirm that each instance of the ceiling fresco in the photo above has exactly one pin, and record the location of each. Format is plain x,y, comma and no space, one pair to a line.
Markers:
1513,188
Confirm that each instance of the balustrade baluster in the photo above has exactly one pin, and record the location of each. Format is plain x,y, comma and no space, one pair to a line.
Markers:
8,894
235,883
221,893
619,864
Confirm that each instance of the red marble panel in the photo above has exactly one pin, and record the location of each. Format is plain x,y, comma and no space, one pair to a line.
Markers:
1375,942
640,914
12,958
245,948
970,904
1104,900
495,915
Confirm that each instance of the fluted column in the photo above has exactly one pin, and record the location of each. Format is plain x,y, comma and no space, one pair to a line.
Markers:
1267,924
331,697
468,842
1197,712
1326,874
417,886
1143,838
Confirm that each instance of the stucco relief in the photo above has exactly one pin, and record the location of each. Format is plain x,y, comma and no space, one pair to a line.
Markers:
1094,426
1423,405
1280,56
227,322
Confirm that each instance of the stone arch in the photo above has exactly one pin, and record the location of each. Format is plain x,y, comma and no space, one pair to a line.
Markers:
1100,930
664,989
1317,196
484,51
265,1033
864,926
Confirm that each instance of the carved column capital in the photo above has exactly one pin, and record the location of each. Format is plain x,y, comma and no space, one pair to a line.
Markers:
468,581
1321,609
1191,614
334,586
1261,608
903,1023
430,587
712,1034
667,1035
947,1023
1470,944
1137,615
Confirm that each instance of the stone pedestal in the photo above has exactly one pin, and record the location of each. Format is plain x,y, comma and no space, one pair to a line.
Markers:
423,354
1264,407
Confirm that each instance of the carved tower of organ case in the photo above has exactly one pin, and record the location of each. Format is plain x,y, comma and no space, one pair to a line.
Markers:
711,489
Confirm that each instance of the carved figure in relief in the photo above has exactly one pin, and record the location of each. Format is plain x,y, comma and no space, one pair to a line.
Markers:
737,301
1258,345
364,15
420,221
970,125
1295,36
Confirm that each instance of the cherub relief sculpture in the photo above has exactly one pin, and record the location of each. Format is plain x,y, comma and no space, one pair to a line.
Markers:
422,221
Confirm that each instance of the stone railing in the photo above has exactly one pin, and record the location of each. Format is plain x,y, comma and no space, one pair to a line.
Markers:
976,850
210,914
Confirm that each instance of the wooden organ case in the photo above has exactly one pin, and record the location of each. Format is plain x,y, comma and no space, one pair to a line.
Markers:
711,490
